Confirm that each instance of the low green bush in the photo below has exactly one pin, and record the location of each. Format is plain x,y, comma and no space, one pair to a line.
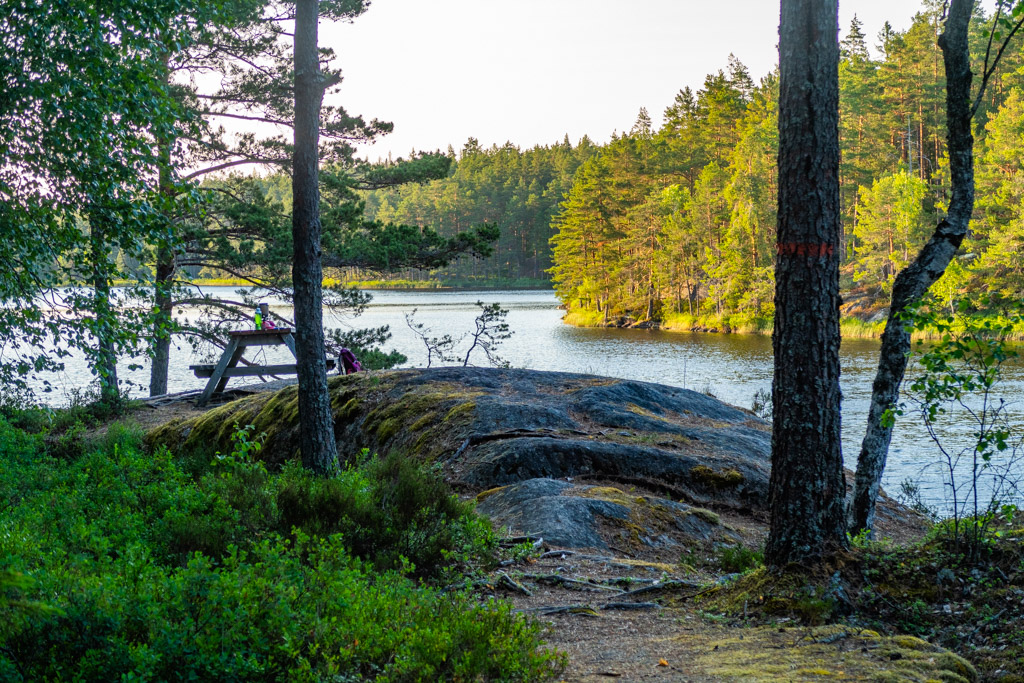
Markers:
391,511
122,565
739,558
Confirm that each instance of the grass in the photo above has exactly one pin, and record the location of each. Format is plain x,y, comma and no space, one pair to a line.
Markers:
738,323
583,318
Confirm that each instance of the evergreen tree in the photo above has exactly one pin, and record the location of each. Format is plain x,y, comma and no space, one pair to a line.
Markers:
854,46
807,487
893,225
1000,231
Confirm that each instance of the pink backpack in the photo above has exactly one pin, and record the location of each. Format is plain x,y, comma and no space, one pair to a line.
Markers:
348,362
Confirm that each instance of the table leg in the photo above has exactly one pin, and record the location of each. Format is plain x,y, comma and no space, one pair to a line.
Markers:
218,372
232,363
289,341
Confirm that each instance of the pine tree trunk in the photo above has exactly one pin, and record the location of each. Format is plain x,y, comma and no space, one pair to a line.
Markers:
105,318
162,322
319,449
162,284
807,487
914,280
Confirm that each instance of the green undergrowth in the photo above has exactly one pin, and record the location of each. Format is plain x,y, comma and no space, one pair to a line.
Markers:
584,317
737,323
933,591
927,591
120,564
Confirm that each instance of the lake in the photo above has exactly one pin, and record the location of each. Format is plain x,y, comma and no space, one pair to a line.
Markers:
732,367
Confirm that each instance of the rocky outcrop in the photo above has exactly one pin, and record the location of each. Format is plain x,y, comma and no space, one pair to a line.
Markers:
575,516
580,458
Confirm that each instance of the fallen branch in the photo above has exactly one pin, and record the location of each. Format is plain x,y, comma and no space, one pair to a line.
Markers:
582,610
536,541
627,581
505,581
566,582
667,585
630,605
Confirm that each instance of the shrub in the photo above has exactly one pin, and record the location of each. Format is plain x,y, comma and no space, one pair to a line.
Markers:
283,612
961,374
739,558
120,565
390,510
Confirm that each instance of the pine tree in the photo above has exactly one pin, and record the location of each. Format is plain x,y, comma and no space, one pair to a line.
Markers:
807,488
893,226
1001,199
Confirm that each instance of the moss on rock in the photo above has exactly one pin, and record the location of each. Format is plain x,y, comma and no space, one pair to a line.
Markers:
828,653
702,474
370,411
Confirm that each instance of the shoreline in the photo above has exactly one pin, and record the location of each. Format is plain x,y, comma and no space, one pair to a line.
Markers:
372,285
850,327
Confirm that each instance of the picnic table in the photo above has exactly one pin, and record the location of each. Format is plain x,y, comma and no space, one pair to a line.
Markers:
227,366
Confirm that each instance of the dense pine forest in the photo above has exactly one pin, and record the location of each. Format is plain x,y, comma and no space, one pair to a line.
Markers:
518,191
676,225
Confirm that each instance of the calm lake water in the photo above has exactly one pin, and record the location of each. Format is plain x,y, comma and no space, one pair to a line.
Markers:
732,367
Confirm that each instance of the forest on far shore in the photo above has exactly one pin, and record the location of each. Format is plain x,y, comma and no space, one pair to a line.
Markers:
678,223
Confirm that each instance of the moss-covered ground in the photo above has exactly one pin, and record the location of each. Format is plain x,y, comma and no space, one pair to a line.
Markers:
927,593
370,410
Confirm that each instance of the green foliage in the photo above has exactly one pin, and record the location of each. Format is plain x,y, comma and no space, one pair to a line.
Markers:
90,79
739,558
515,190
893,225
930,589
389,511
960,375
101,579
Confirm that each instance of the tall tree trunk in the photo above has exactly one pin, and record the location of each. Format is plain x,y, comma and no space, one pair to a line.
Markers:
319,450
163,283
913,281
807,488
105,317
162,321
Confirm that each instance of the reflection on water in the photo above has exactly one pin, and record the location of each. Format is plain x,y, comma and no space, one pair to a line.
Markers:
733,367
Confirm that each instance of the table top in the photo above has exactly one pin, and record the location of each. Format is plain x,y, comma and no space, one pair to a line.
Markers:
254,333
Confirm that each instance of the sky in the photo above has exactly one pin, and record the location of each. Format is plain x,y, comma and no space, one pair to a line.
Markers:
533,71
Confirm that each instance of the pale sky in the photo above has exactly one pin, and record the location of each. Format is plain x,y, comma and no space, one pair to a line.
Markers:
531,71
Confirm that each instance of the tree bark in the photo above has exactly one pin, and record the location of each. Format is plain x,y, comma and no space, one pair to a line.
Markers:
163,282
913,281
807,488
319,449
105,316
162,321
